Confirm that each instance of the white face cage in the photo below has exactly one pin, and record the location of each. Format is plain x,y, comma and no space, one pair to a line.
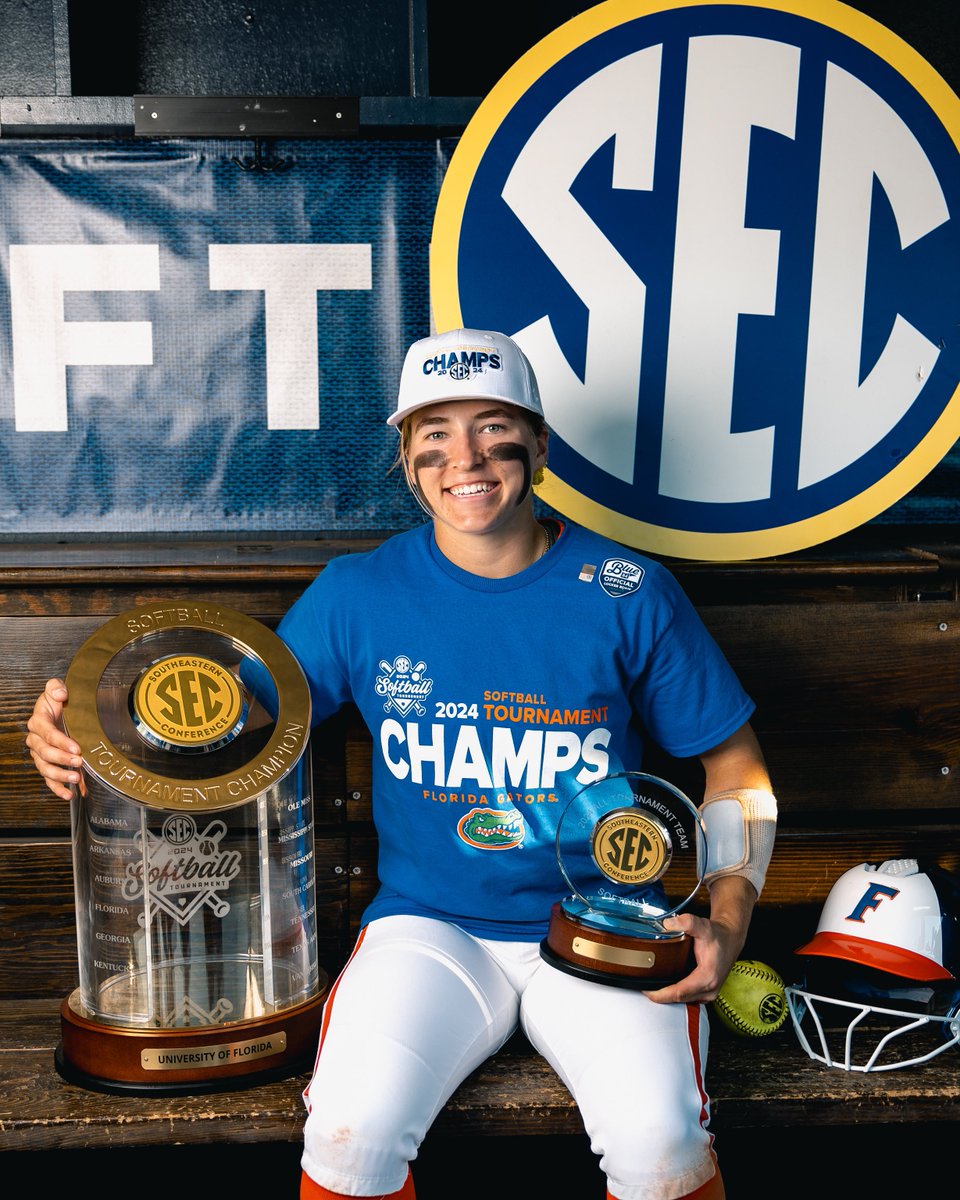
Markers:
811,1022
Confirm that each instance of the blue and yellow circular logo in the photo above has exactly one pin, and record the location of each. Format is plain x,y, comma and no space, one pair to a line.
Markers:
726,237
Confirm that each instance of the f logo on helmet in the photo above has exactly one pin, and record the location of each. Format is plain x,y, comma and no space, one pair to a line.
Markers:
872,898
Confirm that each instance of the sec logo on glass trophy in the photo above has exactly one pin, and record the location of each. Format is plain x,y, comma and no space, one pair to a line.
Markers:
632,849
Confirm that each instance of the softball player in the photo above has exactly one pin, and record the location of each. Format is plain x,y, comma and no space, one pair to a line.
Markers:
502,664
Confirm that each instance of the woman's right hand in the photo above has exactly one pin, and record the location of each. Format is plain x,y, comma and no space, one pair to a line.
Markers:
56,756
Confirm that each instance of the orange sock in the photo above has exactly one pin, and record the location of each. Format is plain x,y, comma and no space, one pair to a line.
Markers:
309,1190
711,1190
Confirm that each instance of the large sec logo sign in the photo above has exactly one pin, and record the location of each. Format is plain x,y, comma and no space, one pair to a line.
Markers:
727,238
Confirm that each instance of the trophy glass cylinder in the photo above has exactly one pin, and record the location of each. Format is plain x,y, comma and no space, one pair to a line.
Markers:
193,856
631,848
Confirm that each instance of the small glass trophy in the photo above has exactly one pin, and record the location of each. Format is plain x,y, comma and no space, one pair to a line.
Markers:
621,843
193,854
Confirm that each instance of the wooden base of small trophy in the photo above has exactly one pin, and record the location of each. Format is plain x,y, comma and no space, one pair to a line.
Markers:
185,1061
613,951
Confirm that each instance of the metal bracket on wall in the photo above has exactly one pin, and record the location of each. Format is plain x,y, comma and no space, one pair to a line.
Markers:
245,116
113,116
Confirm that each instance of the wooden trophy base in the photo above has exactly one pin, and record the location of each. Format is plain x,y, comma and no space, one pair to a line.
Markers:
606,951
105,1058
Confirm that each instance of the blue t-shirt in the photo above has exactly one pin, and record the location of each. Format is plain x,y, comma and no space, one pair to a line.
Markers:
492,702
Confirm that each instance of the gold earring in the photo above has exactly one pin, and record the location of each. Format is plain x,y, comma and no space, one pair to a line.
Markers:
538,477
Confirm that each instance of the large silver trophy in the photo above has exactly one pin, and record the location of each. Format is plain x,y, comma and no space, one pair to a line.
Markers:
632,849
193,856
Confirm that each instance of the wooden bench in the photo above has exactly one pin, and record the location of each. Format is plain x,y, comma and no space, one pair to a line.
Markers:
853,655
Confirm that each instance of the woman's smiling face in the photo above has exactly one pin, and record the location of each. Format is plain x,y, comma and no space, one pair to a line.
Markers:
472,462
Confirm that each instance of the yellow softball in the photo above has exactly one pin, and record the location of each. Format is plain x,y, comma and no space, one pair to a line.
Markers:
751,1002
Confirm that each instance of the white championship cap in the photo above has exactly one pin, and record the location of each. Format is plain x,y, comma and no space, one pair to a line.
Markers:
466,364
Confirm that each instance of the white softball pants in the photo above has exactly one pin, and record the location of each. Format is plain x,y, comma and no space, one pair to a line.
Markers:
421,1004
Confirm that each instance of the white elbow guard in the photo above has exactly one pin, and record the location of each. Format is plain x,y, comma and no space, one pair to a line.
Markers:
740,826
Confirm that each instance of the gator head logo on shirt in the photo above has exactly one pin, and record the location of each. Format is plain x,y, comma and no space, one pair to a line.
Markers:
404,683
491,830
